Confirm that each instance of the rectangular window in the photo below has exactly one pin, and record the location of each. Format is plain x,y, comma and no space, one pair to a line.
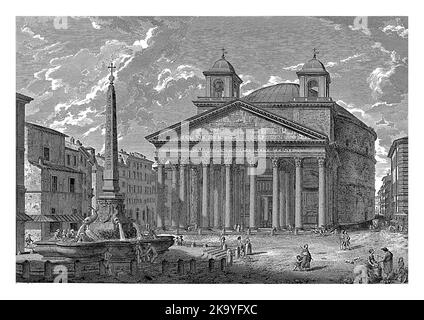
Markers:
68,159
54,184
53,211
71,185
75,161
46,154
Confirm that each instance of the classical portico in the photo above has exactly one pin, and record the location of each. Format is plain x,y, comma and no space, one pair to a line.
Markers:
284,186
283,156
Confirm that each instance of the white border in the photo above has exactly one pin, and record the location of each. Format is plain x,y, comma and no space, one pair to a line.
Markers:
10,290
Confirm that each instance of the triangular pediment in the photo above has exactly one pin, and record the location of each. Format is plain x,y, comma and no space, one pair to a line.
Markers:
239,115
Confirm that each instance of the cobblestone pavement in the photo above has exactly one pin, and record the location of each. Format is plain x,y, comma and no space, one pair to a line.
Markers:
272,260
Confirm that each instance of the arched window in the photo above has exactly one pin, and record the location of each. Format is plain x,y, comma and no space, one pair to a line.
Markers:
313,88
218,86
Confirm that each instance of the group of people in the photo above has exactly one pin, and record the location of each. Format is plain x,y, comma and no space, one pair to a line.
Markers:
244,248
179,240
344,240
383,270
303,260
64,234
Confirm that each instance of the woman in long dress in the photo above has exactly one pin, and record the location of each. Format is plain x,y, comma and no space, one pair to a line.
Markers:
306,258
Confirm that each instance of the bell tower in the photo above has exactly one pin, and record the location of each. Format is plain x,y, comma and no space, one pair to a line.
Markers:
222,85
314,80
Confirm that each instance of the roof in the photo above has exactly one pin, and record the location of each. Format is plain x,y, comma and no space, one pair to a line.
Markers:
53,166
403,140
222,65
245,105
22,217
341,111
38,127
282,92
22,97
313,65
57,218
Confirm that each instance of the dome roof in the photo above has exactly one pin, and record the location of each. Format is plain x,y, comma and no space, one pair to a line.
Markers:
282,92
222,65
314,65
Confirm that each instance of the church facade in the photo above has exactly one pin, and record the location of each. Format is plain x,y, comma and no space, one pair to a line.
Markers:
284,155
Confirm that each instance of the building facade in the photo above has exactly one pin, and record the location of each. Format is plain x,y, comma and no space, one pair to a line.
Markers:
137,183
21,217
385,195
57,180
283,155
398,155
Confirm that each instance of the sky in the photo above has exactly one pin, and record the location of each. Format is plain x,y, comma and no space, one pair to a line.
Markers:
62,63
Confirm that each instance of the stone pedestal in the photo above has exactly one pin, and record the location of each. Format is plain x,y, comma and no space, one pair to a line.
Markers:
110,207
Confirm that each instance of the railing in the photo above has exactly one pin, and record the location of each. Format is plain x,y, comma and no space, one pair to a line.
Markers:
312,99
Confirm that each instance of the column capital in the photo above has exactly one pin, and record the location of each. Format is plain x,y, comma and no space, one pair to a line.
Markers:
298,162
321,161
252,164
184,161
275,162
228,160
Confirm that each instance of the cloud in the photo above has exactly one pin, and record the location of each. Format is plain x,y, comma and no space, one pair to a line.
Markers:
351,57
396,28
181,72
28,31
294,68
144,43
91,130
96,25
70,120
352,109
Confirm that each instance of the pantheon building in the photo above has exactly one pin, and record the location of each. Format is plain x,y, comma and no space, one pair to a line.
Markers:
284,155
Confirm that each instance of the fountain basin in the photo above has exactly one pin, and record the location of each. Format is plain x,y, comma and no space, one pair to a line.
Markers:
95,250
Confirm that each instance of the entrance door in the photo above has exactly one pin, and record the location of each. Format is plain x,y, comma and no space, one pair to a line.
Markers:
310,208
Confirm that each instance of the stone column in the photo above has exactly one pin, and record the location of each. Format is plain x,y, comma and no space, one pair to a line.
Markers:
194,195
321,192
216,197
160,201
287,197
236,188
205,196
298,195
252,198
227,196
275,193
266,208
183,197
281,195
174,197
211,195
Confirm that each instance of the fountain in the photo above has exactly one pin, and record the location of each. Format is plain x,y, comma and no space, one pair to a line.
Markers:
107,234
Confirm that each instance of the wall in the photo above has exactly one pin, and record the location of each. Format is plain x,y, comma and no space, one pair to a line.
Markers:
356,173
36,140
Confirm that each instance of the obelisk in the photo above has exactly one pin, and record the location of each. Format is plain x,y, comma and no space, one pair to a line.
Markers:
110,201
